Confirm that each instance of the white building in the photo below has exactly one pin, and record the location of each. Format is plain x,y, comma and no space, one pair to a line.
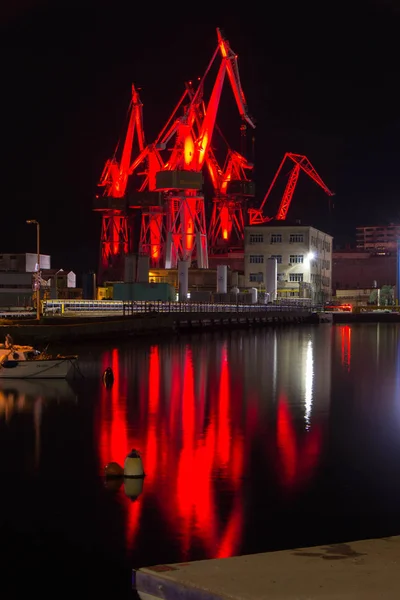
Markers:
17,281
23,263
303,255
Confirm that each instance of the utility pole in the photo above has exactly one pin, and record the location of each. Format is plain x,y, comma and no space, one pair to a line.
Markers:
398,274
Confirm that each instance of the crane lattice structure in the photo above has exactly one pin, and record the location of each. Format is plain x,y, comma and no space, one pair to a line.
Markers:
116,238
257,216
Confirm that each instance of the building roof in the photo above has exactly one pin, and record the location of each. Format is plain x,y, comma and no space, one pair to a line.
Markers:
287,224
59,272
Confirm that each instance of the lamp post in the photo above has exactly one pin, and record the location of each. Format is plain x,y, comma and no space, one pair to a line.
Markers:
33,222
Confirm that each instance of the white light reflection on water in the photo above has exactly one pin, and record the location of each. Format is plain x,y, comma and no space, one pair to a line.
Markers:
308,383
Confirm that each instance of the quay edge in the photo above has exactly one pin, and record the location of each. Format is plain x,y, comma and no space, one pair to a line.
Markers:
366,317
362,570
68,329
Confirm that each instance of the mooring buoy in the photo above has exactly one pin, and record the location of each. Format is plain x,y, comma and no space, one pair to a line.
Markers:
108,377
113,469
113,484
133,487
133,465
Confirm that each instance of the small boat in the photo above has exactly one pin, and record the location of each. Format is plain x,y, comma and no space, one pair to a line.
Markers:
26,362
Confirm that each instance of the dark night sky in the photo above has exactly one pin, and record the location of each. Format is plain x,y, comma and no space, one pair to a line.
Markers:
321,79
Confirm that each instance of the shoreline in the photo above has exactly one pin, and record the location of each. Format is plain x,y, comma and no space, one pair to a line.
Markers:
70,329
102,328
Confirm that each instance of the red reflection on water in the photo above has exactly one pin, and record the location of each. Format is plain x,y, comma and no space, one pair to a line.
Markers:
113,432
298,458
345,333
113,437
186,438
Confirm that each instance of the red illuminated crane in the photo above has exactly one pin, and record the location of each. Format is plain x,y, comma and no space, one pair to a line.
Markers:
115,240
256,216
150,201
231,188
231,184
180,178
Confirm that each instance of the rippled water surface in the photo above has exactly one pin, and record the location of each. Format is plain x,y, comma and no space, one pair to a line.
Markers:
251,441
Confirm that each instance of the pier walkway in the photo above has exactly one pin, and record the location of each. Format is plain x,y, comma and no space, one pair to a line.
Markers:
363,570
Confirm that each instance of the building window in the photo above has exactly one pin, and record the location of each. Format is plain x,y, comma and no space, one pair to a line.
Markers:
296,277
296,259
281,276
276,238
256,259
296,238
326,246
278,258
256,238
256,278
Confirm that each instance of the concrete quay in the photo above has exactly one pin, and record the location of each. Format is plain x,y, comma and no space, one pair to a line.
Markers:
81,329
366,317
363,570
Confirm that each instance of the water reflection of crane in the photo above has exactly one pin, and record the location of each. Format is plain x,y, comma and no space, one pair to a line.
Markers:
298,455
190,442
195,427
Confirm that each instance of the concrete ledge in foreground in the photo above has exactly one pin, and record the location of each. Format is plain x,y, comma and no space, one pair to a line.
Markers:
365,570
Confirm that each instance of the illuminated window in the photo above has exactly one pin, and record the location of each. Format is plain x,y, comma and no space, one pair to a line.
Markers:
256,259
296,259
276,238
296,238
256,277
256,238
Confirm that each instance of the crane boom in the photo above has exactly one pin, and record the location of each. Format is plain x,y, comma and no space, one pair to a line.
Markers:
234,77
114,178
115,237
301,162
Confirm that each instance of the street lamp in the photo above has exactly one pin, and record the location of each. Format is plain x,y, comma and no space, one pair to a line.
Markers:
33,222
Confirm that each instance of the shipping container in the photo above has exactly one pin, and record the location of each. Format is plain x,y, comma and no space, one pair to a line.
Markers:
104,293
144,291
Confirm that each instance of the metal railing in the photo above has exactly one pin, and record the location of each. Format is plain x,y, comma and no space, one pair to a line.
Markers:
62,306
132,307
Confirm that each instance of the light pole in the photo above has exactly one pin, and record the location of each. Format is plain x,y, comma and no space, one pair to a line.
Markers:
33,222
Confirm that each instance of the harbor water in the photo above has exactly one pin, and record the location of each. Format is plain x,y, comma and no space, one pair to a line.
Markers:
251,441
